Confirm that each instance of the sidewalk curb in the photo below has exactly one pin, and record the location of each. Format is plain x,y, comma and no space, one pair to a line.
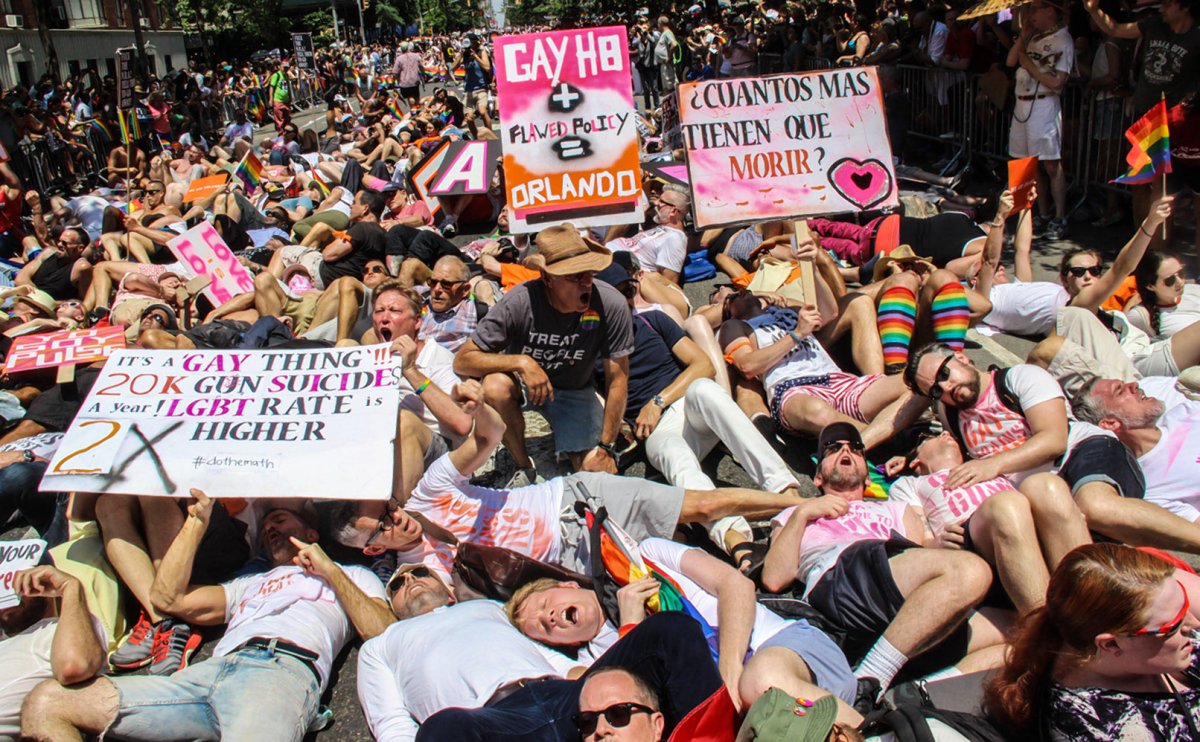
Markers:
1003,356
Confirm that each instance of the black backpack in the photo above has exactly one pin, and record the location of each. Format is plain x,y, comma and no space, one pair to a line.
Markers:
1007,397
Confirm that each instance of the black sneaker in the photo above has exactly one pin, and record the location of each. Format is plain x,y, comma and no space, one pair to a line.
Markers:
137,651
869,697
174,645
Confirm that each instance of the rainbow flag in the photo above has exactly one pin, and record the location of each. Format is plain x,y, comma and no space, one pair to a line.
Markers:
250,171
1151,152
321,184
101,130
255,107
624,564
131,130
394,108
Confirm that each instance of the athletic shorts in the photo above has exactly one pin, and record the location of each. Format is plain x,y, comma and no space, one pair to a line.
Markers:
826,661
1036,129
839,390
1103,458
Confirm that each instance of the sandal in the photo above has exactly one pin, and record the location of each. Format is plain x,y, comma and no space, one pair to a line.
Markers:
748,557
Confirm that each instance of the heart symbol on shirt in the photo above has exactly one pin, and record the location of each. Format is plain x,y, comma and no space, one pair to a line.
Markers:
863,183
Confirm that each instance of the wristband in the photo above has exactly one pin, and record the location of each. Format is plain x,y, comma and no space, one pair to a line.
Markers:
1142,229
795,338
424,385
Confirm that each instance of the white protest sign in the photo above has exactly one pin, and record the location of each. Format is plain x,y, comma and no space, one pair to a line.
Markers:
295,423
786,146
16,556
202,252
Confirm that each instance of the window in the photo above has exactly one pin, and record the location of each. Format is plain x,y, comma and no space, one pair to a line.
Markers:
167,62
110,66
73,66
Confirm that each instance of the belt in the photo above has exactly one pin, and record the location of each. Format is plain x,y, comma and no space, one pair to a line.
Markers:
1033,97
275,646
508,689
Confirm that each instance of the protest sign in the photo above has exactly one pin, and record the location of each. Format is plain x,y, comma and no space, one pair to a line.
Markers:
567,125
786,146
125,79
671,133
467,168
201,188
16,556
302,49
288,423
1022,177
421,176
47,350
203,253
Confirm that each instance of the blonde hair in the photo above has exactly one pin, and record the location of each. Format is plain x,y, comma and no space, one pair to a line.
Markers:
514,605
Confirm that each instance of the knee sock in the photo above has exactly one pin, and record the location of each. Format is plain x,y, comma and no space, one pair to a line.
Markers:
883,662
951,315
897,316
374,183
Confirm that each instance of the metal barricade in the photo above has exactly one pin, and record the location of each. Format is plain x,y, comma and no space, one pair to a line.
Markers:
941,101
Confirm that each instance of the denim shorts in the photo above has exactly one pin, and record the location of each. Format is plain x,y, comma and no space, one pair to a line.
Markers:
826,661
576,418
250,694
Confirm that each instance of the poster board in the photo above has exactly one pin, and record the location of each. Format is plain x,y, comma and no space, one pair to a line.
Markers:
16,556
786,146
567,126
1022,177
201,188
66,348
420,178
296,423
125,79
671,134
466,168
203,253
302,51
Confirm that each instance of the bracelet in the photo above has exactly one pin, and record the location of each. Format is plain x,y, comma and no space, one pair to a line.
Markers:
424,385
1142,229
996,223
795,338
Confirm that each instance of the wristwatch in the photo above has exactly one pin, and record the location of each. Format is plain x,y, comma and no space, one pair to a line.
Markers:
28,456
658,400
611,450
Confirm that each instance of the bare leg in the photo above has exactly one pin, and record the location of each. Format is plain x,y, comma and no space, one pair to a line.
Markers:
413,272
780,667
1004,534
52,712
125,548
940,588
857,316
1060,525
701,333
503,394
268,297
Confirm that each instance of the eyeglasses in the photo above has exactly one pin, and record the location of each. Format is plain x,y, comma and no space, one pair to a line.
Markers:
1173,279
373,269
939,378
157,318
618,714
1170,627
72,303
434,283
1080,270
65,243
417,573
835,446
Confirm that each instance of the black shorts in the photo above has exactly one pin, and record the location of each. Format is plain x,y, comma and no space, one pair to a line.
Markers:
859,596
1103,458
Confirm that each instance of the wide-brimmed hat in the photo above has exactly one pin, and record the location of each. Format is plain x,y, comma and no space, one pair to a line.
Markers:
39,300
902,253
562,251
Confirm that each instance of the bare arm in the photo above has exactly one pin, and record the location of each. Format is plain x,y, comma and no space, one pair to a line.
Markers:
370,616
204,606
471,361
489,429
735,610
76,654
1091,297
1108,26
1023,247
993,246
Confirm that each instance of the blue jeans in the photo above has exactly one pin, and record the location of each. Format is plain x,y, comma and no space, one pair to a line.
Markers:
250,694
668,650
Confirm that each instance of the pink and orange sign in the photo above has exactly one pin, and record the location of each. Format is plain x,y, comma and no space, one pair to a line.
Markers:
66,348
568,128
786,146
203,253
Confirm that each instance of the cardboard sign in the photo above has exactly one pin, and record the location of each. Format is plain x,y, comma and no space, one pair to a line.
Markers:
1022,177
294,423
204,254
201,188
302,51
69,347
420,178
786,146
125,79
671,133
568,129
16,556
467,168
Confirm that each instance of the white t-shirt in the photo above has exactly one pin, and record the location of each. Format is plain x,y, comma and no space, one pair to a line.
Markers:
90,211
657,249
808,358
1051,53
237,131
436,362
25,662
942,507
1026,308
1171,319
826,538
296,607
455,656
667,557
1171,466
525,519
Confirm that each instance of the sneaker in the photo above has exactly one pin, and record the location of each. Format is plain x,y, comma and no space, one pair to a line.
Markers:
1111,219
174,645
450,227
869,696
137,651
1057,230
523,478
1040,223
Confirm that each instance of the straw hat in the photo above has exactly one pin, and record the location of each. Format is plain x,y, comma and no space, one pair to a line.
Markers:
900,254
39,300
563,252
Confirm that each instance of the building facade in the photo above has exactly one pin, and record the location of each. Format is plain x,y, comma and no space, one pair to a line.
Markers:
86,34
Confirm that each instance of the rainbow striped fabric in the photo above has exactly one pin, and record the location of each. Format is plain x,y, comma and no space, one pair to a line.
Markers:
1151,152
98,126
250,171
131,130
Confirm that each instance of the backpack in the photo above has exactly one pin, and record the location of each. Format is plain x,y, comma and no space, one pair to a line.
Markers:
698,267
909,722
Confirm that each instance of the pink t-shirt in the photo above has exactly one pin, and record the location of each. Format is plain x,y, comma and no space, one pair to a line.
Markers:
942,507
825,539
989,427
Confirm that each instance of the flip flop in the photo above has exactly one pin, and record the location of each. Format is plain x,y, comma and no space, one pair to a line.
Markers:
748,557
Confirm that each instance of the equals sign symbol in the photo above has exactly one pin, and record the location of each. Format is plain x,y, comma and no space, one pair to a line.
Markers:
570,148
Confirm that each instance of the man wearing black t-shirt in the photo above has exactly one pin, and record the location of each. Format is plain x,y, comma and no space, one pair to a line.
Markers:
540,343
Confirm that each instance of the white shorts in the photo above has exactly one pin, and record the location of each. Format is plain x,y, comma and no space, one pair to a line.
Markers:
1037,129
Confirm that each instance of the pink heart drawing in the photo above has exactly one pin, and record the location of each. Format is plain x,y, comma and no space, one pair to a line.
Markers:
862,183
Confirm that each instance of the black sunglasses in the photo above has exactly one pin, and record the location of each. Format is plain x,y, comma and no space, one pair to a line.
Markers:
1173,279
1079,271
447,285
835,446
939,378
618,714
373,269
417,573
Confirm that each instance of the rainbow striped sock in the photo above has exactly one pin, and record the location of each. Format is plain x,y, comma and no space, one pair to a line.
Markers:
951,315
897,317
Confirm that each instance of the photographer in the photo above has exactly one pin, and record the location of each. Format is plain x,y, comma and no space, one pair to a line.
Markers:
478,65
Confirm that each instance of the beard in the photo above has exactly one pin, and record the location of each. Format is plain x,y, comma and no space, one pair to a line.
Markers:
1147,417
423,602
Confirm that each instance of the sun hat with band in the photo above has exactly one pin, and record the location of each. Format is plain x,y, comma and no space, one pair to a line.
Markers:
901,254
39,300
563,252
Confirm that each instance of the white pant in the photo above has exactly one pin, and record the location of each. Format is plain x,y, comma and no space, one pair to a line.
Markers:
694,425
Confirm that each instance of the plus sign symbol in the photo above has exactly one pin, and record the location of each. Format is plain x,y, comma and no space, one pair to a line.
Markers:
565,98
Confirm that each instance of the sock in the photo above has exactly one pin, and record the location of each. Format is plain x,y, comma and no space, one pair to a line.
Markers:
881,663
897,317
951,315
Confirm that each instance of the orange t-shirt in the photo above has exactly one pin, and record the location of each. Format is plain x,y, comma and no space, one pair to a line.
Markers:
1118,299
512,274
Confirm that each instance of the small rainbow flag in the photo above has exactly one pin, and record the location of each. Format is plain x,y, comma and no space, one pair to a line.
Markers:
1151,152
590,320
321,184
101,130
131,130
250,171
624,564
394,108
255,107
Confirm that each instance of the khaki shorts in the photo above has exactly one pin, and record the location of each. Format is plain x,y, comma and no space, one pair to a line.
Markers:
302,310
308,257
1088,349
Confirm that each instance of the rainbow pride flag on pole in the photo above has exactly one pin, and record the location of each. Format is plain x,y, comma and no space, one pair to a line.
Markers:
250,171
101,130
1151,153
131,131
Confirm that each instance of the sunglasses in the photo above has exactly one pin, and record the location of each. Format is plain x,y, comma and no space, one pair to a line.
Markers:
1173,279
1170,628
70,303
618,714
434,283
1079,271
939,378
835,446
417,573
373,269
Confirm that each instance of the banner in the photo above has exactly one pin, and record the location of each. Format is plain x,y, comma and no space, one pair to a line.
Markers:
201,188
671,134
302,51
16,556
567,125
125,79
66,348
466,168
288,423
203,253
786,146
1022,177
